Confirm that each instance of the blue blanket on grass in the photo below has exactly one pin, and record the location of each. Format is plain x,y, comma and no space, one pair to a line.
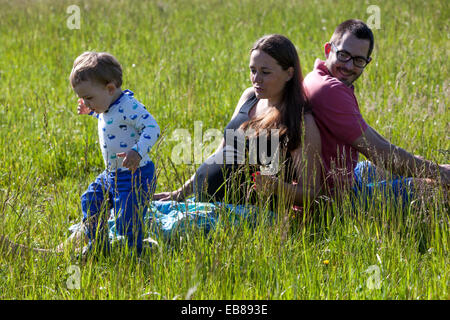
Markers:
167,219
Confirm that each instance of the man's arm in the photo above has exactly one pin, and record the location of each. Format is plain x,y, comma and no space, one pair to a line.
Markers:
380,151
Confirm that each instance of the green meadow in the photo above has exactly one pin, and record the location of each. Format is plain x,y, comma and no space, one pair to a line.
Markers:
187,61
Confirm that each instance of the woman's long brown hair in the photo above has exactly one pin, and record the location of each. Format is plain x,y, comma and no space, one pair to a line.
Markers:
288,116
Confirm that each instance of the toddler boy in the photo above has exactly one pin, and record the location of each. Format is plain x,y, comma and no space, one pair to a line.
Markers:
127,131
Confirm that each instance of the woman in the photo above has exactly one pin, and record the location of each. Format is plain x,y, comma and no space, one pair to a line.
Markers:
275,105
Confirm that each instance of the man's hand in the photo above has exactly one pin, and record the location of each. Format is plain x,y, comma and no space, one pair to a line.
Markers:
82,108
131,161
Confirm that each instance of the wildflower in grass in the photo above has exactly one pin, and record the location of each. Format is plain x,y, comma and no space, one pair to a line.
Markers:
326,262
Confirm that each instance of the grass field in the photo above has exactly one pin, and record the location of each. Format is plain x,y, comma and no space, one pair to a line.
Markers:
188,61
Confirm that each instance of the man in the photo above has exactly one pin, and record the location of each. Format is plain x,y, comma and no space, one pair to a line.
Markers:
343,130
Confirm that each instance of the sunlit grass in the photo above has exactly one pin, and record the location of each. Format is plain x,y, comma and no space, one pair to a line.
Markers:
187,61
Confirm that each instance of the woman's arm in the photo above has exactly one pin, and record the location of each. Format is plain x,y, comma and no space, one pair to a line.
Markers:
307,164
179,194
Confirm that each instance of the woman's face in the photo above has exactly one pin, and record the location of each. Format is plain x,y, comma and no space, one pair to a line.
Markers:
268,77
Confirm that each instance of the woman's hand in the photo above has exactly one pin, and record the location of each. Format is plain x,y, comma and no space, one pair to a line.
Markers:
176,195
82,108
266,184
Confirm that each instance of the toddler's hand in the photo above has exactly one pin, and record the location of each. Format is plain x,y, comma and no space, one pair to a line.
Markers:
82,109
131,161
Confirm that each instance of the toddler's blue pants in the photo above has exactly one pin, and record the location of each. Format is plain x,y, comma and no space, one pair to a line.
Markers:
127,194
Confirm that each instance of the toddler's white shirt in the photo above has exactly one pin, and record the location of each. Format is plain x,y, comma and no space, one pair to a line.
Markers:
124,126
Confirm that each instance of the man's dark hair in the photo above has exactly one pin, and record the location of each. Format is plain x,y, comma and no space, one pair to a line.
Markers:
357,28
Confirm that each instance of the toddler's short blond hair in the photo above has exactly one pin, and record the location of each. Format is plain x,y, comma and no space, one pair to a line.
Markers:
101,67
